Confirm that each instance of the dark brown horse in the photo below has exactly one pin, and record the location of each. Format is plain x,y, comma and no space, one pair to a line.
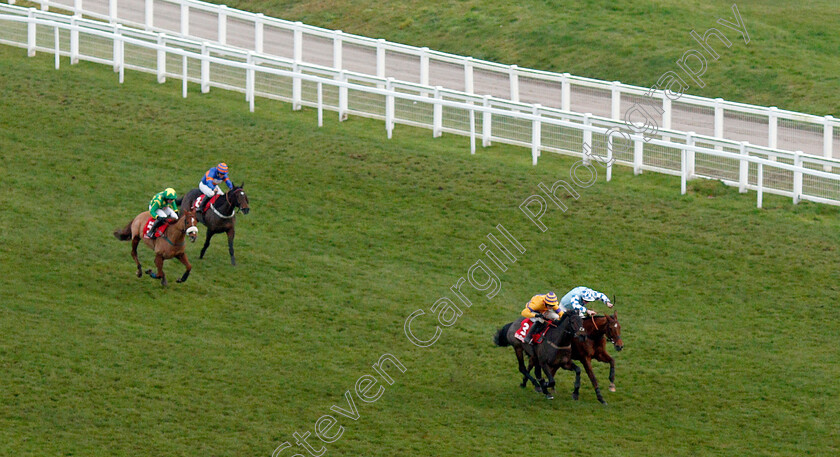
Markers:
599,330
556,341
220,217
170,244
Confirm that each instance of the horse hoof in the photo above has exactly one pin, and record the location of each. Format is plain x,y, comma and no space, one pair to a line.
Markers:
612,388
575,396
179,281
139,273
549,397
233,262
537,390
603,402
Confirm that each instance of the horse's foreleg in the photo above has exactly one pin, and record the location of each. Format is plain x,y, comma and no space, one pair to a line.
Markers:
159,274
587,365
134,242
602,356
206,243
550,382
230,234
183,258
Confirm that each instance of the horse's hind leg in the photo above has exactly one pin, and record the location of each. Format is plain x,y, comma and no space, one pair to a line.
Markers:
230,234
183,258
134,242
525,372
210,234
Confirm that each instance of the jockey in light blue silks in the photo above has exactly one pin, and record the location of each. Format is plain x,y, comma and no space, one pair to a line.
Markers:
209,184
578,297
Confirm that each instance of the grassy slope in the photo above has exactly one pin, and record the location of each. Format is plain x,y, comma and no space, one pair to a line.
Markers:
791,61
727,310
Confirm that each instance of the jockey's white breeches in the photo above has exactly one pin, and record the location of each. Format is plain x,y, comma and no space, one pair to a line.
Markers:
208,191
166,212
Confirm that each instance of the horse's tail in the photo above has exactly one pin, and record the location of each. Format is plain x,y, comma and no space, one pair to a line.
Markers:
500,338
124,234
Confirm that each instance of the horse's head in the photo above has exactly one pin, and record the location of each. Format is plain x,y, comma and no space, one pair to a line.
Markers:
574,325
238,199
614,332
190,222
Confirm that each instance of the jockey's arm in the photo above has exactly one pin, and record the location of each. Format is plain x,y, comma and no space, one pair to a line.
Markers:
228,183
603,297
577,305
528,312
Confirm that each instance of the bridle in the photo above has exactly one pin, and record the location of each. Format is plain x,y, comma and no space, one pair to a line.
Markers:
232,206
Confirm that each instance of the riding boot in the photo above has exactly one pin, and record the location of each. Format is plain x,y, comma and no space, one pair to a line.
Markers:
535,330
158,222
203,206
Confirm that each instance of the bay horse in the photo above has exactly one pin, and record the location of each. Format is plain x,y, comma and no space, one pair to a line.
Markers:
599,329
171,244
558,336
220,216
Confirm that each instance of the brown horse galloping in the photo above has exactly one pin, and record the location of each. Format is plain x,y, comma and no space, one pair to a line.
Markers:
170,244
599,330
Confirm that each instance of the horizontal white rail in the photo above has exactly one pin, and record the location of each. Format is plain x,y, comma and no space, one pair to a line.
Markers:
799,176
770,127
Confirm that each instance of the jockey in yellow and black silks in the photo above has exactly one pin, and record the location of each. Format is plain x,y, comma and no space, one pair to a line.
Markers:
540,307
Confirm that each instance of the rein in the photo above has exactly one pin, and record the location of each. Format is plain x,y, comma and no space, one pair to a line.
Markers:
183,231
232,212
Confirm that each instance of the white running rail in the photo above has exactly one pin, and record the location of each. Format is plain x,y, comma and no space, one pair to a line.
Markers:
718,118
796,175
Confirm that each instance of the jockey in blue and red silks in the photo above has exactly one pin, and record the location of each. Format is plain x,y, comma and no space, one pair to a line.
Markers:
209,184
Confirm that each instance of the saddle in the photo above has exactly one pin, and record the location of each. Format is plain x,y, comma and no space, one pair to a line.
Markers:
197,203
160,231
522,333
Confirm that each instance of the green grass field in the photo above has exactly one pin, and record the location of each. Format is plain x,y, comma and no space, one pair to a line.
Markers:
728,312
791,60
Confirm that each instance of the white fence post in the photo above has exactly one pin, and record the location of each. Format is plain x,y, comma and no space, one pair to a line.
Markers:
112,11
760,182
828,139
252,83
743,168
380,59
149,14
205,68
185,18
424,66
565,93
45,7
468,75
337,49
248,89
116,57
184,75
296,87
342,97
320,104
472,131
298,42
74,41
58,48
486,123
389,107
514,83
222,24
718,118
689,158
772,127
536,135
797,177
437,115
259,33
587,138
31,35
161,59
615,106
683,171
637,156
666,112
